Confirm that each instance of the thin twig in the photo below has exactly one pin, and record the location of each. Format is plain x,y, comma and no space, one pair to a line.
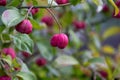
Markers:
60,26
67,4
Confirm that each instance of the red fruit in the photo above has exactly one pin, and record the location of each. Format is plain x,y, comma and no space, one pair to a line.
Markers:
103,74
117,3
5,78
24,27
3,2
25,54
54,40
41,61
105,8
59,40
62,1
48,20
79,24
34,11
9,51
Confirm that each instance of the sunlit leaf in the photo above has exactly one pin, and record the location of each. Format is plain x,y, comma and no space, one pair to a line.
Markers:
111,31
65,60
11,17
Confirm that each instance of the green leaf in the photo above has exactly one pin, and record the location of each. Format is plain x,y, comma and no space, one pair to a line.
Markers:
2,28
23,42
42,2
65,60
97,2
44,51
96,60
11,17
74,2
26,76
76,41
5,38
36,25
8,59
14,3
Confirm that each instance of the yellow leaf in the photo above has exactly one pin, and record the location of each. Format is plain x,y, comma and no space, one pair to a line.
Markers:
96,2
111,31
114,5
108,49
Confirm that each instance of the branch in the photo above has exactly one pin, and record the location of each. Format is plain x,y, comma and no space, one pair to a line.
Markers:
62,5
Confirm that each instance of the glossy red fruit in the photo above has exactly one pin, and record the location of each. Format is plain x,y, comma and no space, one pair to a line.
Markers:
59,40
34,11
9,51
79,24
5,78
48,20
54,40
25,54
62,1
41,61
3,2
24,27
105,8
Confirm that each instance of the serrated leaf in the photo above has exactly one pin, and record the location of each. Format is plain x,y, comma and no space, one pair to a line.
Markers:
23,42
26,76
11,17
65,60
8,60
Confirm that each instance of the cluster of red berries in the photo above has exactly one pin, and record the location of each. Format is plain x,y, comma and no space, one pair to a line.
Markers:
25,27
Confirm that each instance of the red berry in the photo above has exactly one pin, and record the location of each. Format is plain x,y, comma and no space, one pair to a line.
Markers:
54,40
48,20
105,8
25,54
3,2
24,27
5,78
117,3
59,40
34,11
62,1
103,74
79,24
116,16
41,61
9,51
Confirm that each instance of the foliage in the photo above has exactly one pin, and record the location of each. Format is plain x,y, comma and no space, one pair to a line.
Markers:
92,50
